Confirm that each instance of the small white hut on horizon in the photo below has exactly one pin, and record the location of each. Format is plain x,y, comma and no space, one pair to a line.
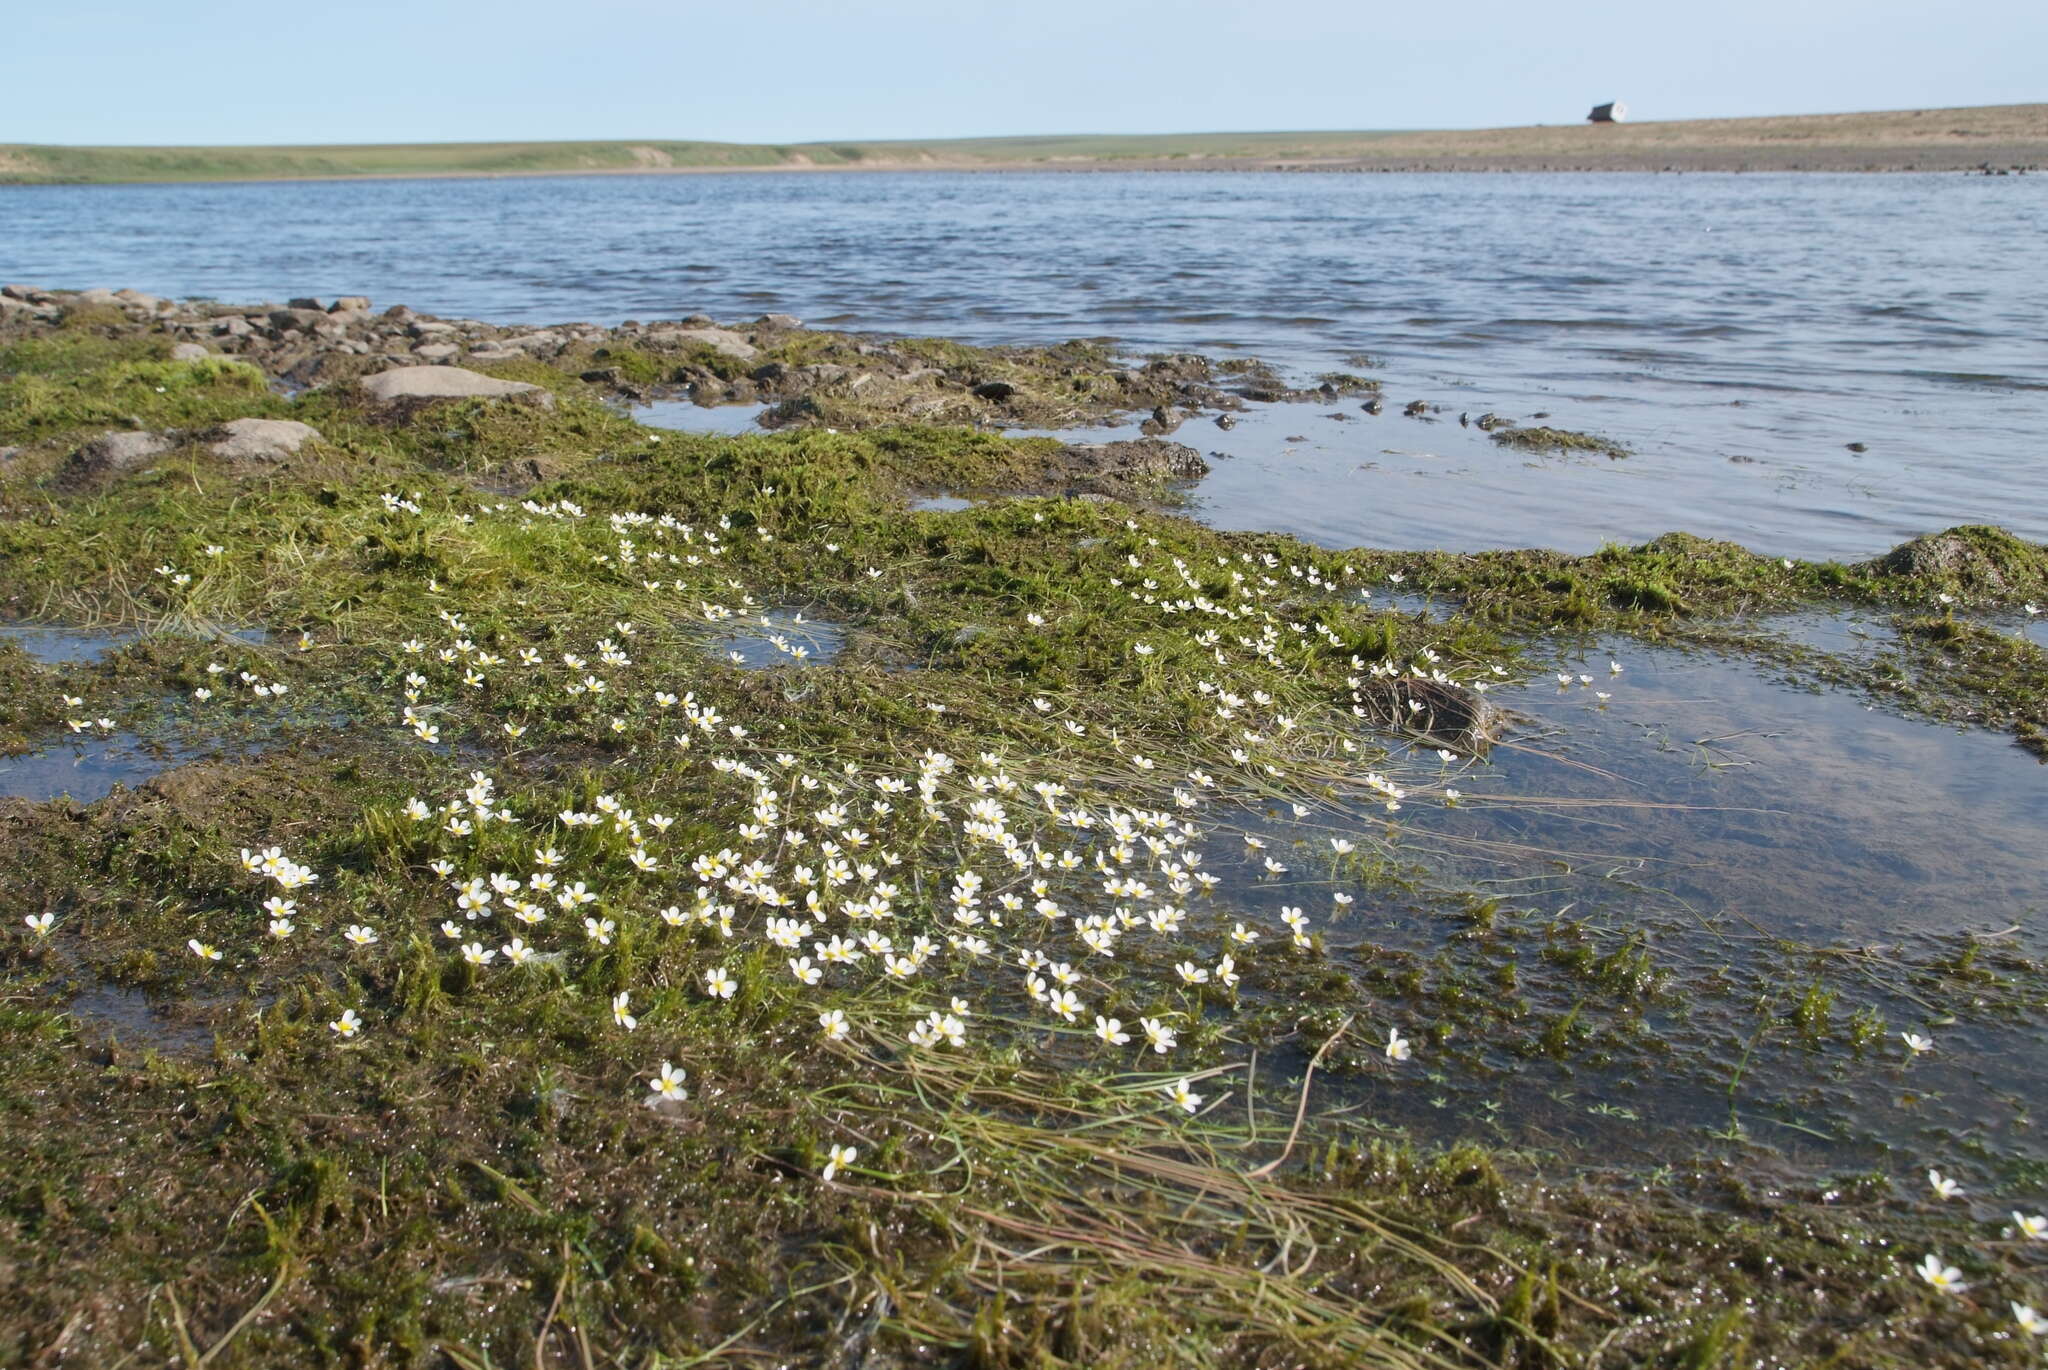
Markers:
1613,112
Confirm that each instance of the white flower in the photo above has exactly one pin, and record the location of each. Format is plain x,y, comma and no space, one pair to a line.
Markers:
203,951
1943,1186
1946,1278
620,1015
2031,1225
2029,1322
1915,1043
668,1085
1158,1035
348,1025
833,1024
39,923
1111,1030
719,984
1397,1045
836,1157
1183,1096
360,934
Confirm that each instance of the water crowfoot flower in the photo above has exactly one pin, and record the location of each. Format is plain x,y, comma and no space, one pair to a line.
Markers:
1943,1186
1946,1278
348,1025
1397,1045
1182,1095
719,984
836,1157
1160,1037
620,1015
204,951
1916,1044
667,1086
2031,1225
39,923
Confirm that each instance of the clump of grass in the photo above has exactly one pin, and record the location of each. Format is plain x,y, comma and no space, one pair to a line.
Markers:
1540,439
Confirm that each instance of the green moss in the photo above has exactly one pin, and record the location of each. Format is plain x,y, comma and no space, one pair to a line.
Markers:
74,398
1557,440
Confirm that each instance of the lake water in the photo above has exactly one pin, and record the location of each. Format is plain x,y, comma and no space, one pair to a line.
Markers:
1736,332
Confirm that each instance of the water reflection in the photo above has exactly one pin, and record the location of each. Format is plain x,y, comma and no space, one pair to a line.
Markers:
58,646
1691,918
85,768
687,416
783,637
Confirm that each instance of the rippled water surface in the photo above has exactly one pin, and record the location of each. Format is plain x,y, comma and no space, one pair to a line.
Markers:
1736,332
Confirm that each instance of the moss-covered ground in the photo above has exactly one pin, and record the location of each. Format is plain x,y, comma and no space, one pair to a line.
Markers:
395,1114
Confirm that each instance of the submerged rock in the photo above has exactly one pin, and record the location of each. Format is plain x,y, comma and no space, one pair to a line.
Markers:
1439,712
1139,459
446,383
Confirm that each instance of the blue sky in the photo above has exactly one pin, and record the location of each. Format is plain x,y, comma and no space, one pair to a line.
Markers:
230,71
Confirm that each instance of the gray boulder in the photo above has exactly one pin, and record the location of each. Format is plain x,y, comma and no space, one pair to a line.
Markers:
261,440
189,352
445,383
534,343
437,352
351,302
113,454
722,340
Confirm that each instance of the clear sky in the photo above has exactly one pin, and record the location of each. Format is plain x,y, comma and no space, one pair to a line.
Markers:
233,71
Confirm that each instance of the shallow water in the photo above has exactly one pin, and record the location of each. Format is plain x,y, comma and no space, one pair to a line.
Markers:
1750,839
84,767
57,646
687,416
128,1017
1694,318
1813,813
751,646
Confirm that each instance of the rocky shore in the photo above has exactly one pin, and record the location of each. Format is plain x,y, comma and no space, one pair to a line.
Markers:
807,378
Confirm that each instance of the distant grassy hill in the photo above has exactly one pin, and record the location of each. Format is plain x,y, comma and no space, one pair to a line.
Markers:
1933,139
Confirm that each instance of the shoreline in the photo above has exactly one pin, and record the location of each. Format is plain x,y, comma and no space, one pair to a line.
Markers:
1997,139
